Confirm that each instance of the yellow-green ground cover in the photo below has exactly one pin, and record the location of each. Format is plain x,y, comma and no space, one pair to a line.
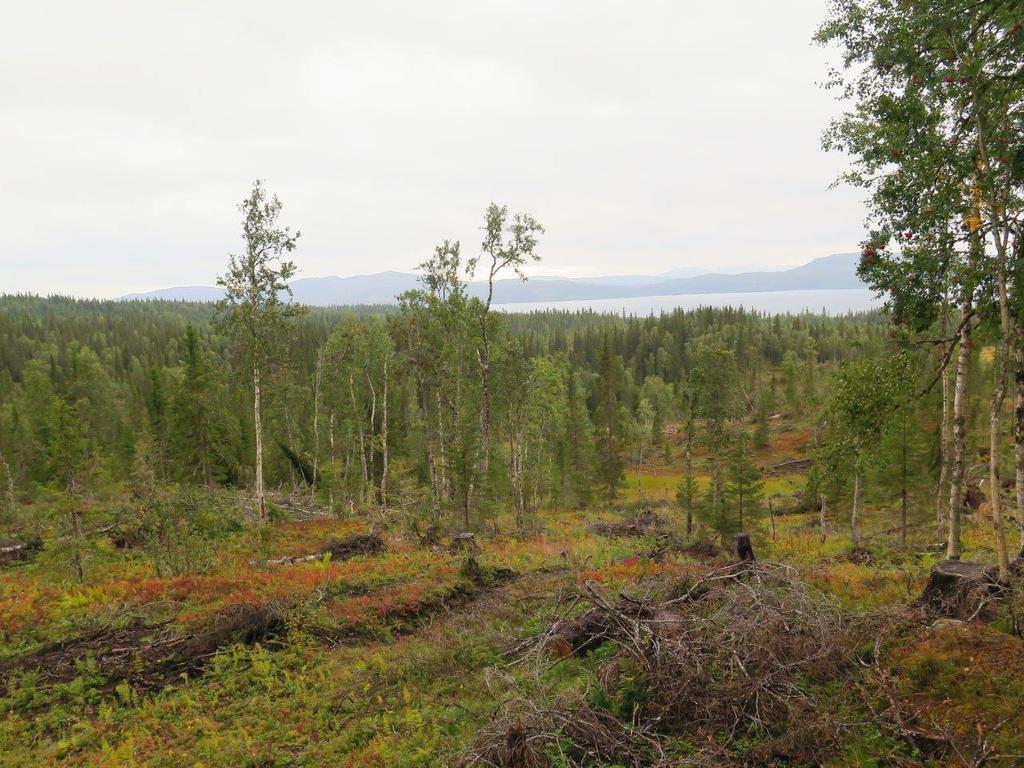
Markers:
417,661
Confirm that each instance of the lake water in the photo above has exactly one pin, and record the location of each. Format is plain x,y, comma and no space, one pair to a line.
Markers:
831,302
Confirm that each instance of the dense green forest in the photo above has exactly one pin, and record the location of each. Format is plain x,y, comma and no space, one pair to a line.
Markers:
366,409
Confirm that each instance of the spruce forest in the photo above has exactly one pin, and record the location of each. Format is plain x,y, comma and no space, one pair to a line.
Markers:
436,533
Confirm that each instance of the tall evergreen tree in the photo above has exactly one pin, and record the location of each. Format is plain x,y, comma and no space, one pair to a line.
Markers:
744,486
609,420
201,434
577,456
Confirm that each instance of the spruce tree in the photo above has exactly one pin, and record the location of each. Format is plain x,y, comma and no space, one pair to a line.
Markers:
610,421
744,487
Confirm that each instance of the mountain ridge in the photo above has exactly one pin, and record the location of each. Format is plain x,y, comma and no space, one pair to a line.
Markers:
828,272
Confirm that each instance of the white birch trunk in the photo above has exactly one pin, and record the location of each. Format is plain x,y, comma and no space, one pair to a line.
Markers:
258,423
945,438
996,411
384,440
855,509
957,468
362,445
316,423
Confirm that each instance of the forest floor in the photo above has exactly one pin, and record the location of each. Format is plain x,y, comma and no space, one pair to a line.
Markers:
409,656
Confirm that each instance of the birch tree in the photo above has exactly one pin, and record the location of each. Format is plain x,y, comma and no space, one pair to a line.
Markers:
510,243
936,132
257,309
865,395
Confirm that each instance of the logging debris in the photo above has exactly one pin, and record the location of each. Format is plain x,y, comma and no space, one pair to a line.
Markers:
338,549
148,656
640,525
14,551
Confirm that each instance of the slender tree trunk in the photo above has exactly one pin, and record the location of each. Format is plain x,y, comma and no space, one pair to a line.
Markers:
9,496
482,468
855,510
537,481
996,207
1018,427
330,428
435,491
290,434
771,515
384,440
945,434
957,465
945,438
1000,365
485,404
442,454
362,442
903,480
1017,341
429,439
689,473
316,423
373,418
821,520
258,423
716,495
345,475
75,520
517,472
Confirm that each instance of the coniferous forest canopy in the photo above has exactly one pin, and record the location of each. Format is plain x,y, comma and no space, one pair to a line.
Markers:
433,533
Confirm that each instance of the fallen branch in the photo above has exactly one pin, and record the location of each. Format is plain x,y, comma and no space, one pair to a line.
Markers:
343,549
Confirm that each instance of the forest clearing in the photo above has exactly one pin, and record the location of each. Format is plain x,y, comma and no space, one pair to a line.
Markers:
397,653
249,523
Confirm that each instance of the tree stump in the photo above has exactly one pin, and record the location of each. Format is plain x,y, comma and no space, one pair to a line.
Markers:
587,632
13,551
471,570
959,587
464,542
974,497
744,548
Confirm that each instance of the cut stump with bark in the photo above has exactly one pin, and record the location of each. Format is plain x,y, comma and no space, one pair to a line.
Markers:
959,588
974,497
744,548
13,551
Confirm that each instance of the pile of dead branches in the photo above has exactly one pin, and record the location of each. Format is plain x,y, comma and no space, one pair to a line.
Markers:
640,525
528,736
670,544
149,656
743,651
738,649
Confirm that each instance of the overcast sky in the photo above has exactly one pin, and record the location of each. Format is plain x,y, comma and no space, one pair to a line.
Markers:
645,135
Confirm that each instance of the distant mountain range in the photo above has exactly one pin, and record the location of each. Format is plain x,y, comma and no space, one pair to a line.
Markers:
829,272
